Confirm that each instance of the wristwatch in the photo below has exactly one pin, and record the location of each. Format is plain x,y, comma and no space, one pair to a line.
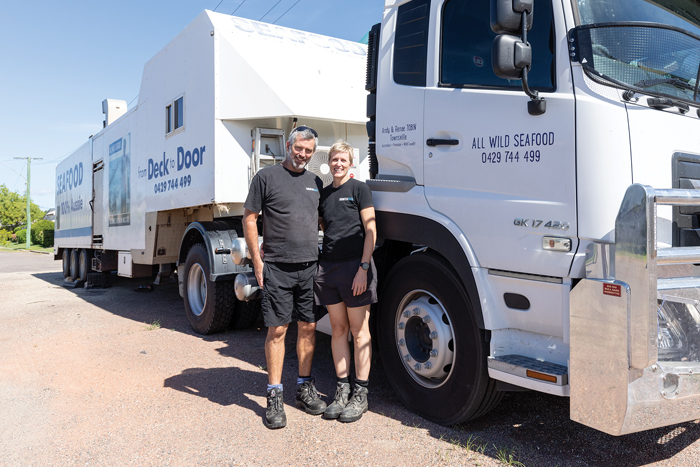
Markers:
364,266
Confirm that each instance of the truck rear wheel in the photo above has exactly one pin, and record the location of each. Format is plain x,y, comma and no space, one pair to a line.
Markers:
433,352
83,267
66,262
74,267
209,305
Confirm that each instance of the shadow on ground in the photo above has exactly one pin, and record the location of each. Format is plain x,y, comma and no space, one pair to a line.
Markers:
530,427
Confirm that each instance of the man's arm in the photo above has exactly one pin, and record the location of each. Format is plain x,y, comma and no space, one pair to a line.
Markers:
250,231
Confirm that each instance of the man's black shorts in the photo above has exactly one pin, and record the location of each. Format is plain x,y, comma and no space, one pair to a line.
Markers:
288,293
333,283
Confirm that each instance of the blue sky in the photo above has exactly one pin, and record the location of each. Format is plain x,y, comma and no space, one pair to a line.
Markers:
60,60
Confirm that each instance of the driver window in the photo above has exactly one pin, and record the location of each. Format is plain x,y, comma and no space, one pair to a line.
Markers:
466,47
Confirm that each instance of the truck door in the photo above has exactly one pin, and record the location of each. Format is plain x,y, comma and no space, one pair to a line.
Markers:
505,177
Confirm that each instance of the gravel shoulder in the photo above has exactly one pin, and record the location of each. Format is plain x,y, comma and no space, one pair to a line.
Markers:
86,378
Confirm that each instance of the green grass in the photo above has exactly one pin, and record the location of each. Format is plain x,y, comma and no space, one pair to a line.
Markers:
508,456
23,246
153,326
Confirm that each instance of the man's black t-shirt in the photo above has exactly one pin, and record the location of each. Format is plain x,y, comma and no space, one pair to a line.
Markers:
343,232
289,204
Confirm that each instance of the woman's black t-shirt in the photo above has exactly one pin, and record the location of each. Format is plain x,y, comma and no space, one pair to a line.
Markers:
343,232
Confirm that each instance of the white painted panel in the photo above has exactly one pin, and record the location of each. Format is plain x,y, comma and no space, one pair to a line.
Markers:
73,196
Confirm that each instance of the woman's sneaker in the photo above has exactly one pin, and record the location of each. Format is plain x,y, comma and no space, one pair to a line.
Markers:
308,398
342,396
274,415
356,407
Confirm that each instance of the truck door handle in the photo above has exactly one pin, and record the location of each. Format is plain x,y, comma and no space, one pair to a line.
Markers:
442,142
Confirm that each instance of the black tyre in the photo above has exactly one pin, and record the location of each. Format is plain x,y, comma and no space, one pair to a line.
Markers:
246,314
432,349
66,262
209,305
83,267
74,267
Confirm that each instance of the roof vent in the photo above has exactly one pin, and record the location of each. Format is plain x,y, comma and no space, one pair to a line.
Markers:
113,109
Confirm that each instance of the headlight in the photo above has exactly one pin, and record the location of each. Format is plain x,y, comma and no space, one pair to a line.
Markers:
678,335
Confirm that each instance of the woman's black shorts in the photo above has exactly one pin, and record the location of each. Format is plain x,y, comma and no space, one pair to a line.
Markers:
333,283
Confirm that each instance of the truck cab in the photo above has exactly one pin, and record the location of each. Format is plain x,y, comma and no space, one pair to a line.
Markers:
512,141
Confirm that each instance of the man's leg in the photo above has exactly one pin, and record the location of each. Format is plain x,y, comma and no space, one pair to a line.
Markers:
307,396
276,307
306,343
274,353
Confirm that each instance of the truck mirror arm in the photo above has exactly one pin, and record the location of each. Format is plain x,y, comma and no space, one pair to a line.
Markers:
537,104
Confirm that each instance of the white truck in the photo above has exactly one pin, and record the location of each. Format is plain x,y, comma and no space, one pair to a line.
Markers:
534,174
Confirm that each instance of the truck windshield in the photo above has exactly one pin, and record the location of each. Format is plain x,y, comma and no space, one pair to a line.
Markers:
645,45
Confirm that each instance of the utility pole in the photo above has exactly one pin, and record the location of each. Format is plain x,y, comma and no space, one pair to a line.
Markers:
29,217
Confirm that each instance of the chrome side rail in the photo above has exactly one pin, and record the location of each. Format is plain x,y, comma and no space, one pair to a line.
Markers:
633,363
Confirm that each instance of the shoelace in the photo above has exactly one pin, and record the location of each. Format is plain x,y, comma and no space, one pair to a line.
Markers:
340,395
312,391
276,404
356,400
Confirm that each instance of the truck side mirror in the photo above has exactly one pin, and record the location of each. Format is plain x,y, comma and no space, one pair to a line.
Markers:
506,15
511,54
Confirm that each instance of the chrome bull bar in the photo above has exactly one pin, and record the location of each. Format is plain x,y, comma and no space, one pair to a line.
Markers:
635,336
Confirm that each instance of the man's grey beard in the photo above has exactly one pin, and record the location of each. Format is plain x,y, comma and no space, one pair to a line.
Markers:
292,161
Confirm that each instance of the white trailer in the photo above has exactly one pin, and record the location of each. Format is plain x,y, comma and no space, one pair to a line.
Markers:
215,105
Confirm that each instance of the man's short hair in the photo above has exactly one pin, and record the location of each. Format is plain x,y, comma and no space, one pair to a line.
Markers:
341,146
304,133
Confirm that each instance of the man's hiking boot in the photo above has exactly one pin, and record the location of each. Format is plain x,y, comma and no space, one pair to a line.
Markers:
356,407
342,395
308,398
274,415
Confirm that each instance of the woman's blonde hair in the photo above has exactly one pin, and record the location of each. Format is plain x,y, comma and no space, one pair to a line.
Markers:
341,146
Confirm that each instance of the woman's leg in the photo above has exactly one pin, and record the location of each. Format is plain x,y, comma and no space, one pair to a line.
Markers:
359,325
340,346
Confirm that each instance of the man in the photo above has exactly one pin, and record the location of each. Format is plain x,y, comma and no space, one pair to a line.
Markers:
288,197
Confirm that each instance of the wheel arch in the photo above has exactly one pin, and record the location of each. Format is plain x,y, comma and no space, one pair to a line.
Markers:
410,229
217,237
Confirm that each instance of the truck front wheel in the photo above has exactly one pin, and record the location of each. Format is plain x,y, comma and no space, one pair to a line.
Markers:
433,352
209,305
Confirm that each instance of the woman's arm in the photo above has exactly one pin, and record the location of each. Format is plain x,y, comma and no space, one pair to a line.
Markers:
359,283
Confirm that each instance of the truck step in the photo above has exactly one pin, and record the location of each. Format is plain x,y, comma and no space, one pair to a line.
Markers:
527,367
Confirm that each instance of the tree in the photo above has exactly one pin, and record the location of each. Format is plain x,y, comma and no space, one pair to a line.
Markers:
13,208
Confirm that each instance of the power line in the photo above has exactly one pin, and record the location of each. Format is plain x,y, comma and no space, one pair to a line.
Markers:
273,7
234,11
13,186
295,4
217,6
1,162
60,158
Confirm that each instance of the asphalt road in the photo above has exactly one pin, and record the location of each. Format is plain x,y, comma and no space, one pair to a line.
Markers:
86,378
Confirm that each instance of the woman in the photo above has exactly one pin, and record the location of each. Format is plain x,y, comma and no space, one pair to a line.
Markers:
346,279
